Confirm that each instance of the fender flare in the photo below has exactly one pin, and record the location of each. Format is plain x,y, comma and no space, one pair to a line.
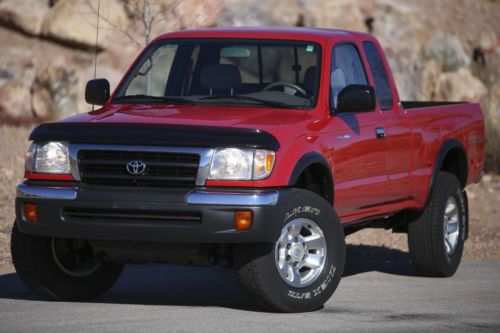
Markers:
307,160
446,147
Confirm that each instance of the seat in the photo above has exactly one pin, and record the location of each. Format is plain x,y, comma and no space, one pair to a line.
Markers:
310,80
220,77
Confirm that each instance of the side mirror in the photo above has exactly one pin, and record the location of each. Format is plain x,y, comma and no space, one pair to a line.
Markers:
356,98
97,91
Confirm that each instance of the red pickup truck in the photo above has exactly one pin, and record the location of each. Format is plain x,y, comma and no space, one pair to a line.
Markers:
258,149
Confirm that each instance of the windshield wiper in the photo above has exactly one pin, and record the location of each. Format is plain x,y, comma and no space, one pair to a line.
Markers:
249,98
167,99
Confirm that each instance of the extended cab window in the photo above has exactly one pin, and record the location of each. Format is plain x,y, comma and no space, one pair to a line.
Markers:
379,72
346,69
226,72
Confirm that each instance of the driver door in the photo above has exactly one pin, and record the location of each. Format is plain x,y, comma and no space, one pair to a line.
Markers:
359,156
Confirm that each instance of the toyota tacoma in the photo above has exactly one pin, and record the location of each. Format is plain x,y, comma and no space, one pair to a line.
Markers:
253,148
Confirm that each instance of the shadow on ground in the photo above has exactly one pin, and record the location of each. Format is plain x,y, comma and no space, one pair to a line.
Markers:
364,258
215,286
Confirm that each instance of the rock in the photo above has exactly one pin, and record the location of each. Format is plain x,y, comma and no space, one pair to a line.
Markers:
337,14
74,22
41,102
486,41
448,50
197,13
26,15
492,109
310,13
270,13
55,93
169,15
5,74
15,102
398,30
429,79
367,7
460,85
397,27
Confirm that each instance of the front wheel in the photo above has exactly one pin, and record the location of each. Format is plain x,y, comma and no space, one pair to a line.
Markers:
302,269
61,269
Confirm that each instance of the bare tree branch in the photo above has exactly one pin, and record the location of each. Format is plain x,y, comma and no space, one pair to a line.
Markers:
147,12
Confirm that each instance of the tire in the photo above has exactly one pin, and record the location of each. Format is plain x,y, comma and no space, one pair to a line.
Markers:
36,264
258,271
429,253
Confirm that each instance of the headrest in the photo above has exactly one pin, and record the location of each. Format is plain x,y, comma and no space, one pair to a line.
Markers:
310,78
220,76
338,79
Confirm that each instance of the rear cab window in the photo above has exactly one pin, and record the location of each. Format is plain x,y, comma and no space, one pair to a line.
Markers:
380,77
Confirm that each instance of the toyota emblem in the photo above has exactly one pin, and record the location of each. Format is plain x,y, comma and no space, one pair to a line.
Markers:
136,168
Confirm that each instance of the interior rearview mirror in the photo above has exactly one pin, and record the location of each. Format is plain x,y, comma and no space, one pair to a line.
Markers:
97,91
235,52
356,98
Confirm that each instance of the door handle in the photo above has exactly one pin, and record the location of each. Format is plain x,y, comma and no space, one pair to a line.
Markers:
380,132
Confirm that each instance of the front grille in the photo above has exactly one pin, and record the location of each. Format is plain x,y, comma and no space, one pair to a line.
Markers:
163,169
131,215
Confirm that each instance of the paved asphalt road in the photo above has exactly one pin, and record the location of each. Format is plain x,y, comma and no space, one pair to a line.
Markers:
375,295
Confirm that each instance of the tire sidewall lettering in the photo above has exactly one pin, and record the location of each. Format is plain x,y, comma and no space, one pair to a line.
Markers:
317,288
301,210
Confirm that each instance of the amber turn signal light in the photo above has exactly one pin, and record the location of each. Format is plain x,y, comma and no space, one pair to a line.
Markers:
243,219
30,212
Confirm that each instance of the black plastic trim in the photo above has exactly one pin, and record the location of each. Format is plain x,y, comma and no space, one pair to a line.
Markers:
304,162
216,224
422,105
443,151
154,134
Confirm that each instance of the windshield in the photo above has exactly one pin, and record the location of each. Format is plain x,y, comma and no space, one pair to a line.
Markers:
225,72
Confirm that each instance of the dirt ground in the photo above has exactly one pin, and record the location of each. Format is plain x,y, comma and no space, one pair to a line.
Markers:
483,243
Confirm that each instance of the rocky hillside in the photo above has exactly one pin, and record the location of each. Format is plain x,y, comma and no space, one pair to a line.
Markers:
438,50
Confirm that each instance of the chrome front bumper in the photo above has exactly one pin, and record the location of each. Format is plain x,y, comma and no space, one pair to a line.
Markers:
197,197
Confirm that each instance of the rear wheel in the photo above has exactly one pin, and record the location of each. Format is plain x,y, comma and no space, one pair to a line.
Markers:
436,238
61,269
302,269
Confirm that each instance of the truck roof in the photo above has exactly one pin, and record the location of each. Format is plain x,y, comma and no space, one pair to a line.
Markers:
290,33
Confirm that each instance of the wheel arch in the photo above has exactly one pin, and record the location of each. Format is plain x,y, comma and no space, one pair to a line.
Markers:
314,166
451,158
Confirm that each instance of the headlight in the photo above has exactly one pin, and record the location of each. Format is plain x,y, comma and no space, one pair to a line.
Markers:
50,157
241,164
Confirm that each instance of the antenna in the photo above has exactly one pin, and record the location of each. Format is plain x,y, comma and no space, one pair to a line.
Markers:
96,40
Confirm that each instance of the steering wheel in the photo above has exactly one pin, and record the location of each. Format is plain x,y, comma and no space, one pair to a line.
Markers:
292,87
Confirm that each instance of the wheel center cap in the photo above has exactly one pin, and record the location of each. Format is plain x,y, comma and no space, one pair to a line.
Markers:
297,252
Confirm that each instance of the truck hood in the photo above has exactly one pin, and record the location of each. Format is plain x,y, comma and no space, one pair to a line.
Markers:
208,124
267,119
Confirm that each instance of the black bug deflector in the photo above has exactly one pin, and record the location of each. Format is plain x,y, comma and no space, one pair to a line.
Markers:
154,134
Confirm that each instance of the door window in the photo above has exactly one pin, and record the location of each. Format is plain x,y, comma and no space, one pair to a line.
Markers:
346,69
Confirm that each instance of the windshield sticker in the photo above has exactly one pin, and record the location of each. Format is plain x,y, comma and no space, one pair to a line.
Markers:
310,48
